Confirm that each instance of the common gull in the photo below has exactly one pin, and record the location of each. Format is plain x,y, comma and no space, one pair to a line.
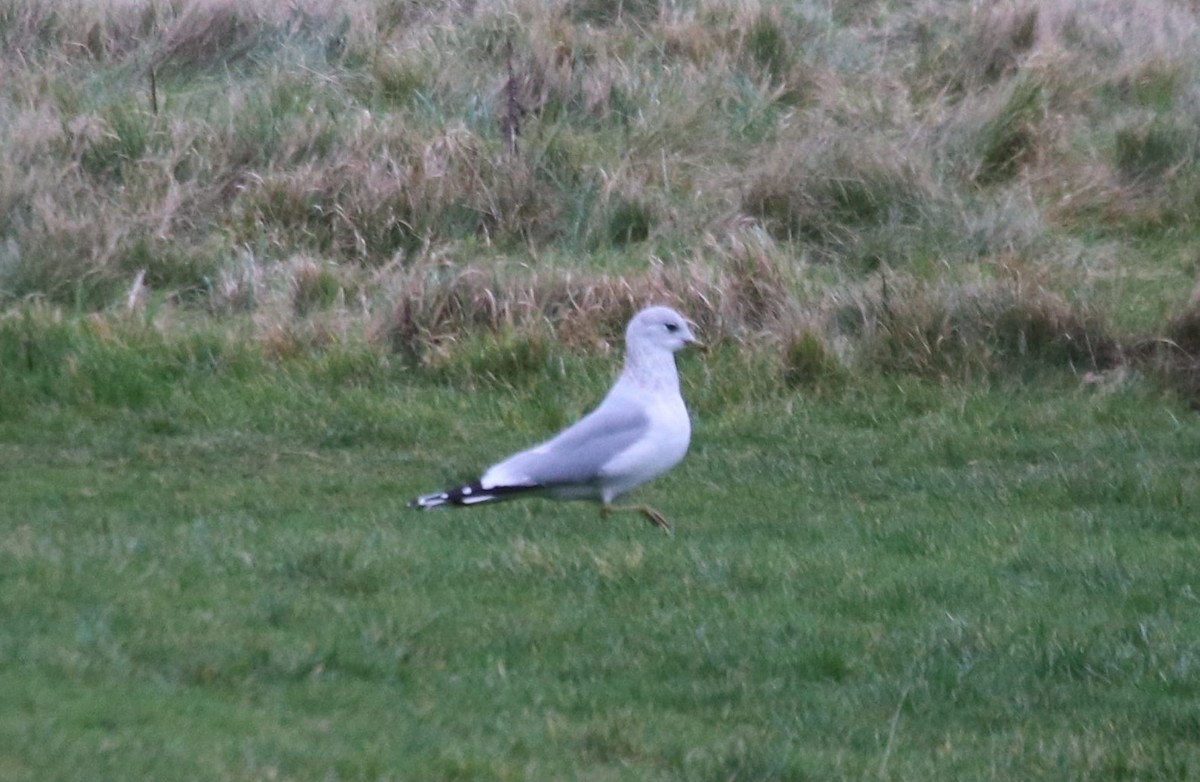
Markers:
638,432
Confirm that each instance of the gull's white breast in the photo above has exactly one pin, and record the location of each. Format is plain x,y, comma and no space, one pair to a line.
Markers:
661,447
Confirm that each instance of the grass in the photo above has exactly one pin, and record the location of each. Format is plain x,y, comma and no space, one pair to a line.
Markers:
864,139
268,272
883,578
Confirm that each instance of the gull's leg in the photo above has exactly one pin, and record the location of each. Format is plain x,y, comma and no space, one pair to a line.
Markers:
650,514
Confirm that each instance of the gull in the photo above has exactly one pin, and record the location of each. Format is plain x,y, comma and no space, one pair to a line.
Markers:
638,432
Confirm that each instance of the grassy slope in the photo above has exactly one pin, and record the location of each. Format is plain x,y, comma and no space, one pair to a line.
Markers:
354,153
894,578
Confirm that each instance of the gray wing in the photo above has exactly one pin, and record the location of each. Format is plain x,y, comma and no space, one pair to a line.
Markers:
576,455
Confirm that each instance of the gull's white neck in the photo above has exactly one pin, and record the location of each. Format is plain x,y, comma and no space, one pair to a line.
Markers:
652,368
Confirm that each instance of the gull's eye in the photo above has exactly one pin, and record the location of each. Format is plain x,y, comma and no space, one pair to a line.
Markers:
672,327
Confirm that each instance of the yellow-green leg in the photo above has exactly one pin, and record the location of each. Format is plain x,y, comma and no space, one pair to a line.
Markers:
650,514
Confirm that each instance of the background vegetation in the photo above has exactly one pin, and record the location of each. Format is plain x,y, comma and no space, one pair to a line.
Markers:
930,187
267,270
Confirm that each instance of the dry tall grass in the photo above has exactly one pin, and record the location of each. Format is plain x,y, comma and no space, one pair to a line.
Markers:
426,170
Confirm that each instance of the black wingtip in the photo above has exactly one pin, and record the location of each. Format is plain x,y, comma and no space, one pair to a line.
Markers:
469,494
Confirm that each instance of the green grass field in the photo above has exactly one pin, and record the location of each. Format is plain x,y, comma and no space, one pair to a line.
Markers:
891,579
269,270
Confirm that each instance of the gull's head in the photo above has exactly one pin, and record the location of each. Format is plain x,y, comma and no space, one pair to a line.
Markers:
660,328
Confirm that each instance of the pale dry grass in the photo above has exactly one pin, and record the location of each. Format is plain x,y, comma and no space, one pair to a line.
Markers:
956,331
739,290
421,172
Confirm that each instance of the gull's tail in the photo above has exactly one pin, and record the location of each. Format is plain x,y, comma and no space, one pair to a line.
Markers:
469,494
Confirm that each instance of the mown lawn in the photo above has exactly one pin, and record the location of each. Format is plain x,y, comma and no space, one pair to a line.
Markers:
884,579
268,271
